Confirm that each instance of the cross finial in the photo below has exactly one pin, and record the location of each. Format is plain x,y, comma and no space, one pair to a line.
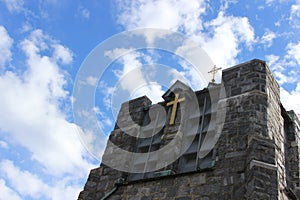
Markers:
214,71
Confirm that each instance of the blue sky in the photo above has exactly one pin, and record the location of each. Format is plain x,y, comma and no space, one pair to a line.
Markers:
43,45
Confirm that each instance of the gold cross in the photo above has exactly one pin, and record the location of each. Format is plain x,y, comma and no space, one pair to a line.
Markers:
214,71
174,108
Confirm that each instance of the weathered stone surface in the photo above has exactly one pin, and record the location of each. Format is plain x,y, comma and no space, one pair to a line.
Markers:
256,156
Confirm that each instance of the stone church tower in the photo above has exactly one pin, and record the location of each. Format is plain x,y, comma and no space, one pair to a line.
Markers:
232,140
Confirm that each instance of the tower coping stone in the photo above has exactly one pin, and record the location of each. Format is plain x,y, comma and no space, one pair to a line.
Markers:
245,63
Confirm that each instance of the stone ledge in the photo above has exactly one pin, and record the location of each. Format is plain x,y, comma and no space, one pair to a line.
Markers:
246,64
262,164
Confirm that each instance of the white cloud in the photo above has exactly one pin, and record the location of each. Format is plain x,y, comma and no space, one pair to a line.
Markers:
7,193
108,92
104,119
269,2
289,99
26,27
152,90
228,32
91,80
284,78
116,53
14,5
84,12
3,144
5,45
293,51
285,73
131,62
33,102
196,65
20,180
267,38
281,68
295,14
28,184
226,3
194,78
62,54
169,14
133,70
134,79
272,60
221,41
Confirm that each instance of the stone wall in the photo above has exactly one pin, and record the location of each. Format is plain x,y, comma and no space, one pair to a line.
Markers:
256,156
292,151
248,112
276,131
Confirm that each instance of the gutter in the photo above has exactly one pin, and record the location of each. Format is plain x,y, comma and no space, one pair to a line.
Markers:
118,182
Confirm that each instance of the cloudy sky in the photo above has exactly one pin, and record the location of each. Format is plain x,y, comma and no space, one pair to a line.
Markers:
43,44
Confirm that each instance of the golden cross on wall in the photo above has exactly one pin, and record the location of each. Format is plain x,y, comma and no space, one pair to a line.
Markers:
214,72
174,108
